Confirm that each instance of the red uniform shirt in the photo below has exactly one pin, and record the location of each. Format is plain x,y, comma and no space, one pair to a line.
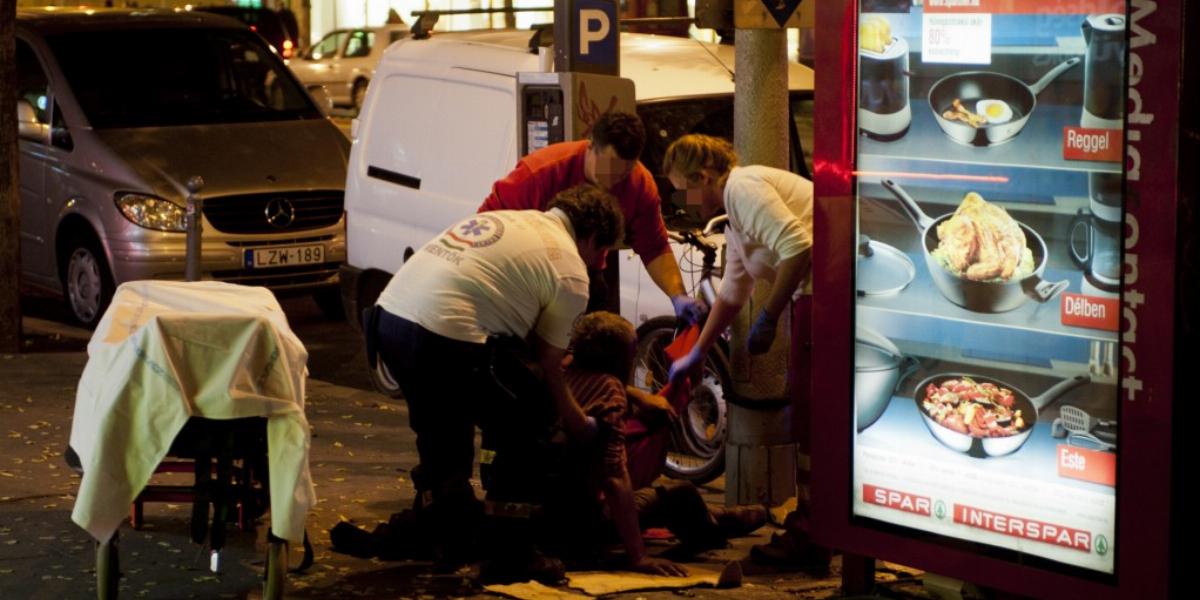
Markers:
542,174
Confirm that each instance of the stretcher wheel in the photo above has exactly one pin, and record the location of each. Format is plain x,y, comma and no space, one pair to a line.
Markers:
276,569
108,571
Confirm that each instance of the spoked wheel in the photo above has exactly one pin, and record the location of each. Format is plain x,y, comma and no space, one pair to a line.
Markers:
697,450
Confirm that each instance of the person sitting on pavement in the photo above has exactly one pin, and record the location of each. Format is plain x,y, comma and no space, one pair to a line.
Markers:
601,498
505,273
769,238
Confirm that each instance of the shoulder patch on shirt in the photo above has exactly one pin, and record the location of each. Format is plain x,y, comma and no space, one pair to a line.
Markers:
479,232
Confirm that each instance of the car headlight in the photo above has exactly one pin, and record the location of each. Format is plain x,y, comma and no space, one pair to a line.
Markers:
151,212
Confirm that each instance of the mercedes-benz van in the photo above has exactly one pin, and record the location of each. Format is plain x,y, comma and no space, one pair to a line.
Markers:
118,109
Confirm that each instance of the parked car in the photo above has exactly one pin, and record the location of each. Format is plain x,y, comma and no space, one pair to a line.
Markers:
344,61
107,144
278,28
442,113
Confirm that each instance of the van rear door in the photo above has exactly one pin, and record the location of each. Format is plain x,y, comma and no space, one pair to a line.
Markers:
430,152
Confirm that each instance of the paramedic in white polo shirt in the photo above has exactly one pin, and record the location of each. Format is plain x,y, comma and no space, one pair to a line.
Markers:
520,273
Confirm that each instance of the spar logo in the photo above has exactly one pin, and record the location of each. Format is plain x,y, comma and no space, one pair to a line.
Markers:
1037,531
477,232
910,503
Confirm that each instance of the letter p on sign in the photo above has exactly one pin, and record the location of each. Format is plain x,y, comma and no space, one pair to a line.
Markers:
593,27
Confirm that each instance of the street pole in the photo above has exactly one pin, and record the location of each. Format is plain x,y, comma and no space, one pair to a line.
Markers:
10,224
760,460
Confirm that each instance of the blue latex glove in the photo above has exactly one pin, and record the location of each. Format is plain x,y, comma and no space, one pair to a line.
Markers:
688,308
762,334
684,367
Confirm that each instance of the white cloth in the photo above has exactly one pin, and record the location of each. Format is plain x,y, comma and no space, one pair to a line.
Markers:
166,351
770,219
505,272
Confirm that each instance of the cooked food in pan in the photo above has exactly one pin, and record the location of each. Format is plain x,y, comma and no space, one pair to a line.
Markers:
987,111
960,113
995,111
981,242
980,410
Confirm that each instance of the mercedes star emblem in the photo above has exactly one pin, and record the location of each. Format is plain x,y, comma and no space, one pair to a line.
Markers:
280,213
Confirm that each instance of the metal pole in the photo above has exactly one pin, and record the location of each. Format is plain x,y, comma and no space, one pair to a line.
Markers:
195,212
760,456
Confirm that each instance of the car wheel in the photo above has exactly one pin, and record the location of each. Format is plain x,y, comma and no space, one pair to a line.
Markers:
358,93
87,282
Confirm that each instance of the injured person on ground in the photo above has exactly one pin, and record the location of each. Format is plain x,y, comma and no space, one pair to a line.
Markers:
554,502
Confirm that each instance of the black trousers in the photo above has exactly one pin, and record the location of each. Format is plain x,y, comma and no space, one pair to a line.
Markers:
444,382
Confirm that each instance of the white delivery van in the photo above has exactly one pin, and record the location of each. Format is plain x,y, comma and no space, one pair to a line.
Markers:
439,126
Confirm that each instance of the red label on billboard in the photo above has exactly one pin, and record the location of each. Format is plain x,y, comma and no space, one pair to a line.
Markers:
1030,7
1093,312
919,505
1038,531
1081,143
1087,465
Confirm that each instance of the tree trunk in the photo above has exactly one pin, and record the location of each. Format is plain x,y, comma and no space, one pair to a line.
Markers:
10,238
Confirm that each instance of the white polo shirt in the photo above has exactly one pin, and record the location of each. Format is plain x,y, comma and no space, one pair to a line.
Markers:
505,272
770,219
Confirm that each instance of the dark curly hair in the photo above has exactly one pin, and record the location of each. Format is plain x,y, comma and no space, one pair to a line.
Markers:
621,130
593,212
604,342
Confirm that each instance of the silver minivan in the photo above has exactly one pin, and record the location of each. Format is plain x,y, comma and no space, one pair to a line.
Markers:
117,109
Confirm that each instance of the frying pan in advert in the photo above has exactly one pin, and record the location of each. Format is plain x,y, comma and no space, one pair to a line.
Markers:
979,296
994,446
970,87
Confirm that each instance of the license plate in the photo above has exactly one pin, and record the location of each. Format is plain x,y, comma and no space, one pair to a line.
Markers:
284,256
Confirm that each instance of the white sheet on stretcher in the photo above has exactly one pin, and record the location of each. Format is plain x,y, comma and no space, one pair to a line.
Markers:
166,351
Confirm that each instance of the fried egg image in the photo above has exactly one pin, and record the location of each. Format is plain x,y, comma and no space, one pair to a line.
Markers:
995,111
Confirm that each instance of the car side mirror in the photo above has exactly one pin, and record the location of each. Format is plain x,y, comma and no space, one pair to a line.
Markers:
28,126
321,96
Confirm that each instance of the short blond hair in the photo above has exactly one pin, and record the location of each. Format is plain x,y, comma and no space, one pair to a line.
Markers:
692,153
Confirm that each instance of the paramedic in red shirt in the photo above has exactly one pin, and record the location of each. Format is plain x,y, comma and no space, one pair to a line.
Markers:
608,159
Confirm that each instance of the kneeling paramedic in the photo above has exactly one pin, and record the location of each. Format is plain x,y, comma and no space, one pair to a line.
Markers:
519,274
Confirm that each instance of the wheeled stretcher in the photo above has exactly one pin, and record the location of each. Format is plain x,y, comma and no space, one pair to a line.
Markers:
206,372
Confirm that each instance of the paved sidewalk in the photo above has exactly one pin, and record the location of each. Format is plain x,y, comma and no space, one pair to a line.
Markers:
361,452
